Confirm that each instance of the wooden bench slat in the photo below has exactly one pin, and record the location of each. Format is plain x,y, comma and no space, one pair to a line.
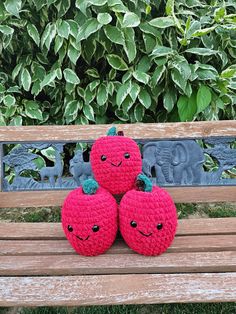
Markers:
203,243
189,194
118,264
62,247
136,131
117,289
32,198
203,194
31,231
42,230
207,226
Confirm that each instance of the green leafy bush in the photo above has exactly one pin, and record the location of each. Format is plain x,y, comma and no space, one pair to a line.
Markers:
101,61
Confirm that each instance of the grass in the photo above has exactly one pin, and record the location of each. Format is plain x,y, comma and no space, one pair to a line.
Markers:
53,214
192,308
206,210
184,211
41,214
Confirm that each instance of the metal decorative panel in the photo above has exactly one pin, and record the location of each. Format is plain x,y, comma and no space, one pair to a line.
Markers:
27,167
174,163
37,166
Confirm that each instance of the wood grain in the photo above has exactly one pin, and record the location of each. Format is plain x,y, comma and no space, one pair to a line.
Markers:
203,194
27,230
53,231
136,131
32,198
118,264
206,226
210,243
117,289
179,194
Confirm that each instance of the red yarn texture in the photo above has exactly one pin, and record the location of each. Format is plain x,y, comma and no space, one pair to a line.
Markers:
82,212
148,210
117,174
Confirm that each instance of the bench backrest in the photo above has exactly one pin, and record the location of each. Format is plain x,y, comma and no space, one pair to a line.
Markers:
175,155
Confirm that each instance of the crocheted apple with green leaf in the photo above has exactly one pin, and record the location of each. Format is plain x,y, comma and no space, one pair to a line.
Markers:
116,162
89,219
148,218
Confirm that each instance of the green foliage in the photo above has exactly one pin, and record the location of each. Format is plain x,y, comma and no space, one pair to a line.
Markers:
175,308
99,61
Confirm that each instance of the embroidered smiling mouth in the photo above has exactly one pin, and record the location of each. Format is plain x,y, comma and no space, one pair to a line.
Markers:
118,165
144,234
78,237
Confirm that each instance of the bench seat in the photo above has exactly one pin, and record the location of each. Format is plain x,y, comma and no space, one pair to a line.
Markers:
39,267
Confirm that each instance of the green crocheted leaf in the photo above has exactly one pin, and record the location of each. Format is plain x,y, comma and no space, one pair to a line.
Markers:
112,131
147,182
90,186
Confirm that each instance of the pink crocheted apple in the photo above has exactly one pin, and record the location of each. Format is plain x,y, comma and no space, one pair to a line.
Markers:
148,218
116,162
89,219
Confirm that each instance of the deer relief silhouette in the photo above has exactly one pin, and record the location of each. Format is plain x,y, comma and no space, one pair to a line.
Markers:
80,169
56,171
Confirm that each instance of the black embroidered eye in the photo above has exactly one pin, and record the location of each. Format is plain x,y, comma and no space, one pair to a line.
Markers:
103,157
127,155
95,228
159,226
70,229
133,224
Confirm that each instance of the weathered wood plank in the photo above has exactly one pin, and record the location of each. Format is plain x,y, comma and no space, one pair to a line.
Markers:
29,231
199,194
203,243
209,194
32,198
53,231
209,243
117,289
136,131
38,247
206,226
118,264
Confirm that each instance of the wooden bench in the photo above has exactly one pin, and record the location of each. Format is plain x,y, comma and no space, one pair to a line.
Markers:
39,268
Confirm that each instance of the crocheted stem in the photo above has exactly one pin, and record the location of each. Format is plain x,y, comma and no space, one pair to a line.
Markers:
143,183
90,186
112,131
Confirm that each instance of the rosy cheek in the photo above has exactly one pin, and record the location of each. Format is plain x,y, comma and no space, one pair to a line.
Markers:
104,164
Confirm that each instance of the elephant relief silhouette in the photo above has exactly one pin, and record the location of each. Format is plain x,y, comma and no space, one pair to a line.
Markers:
174,162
